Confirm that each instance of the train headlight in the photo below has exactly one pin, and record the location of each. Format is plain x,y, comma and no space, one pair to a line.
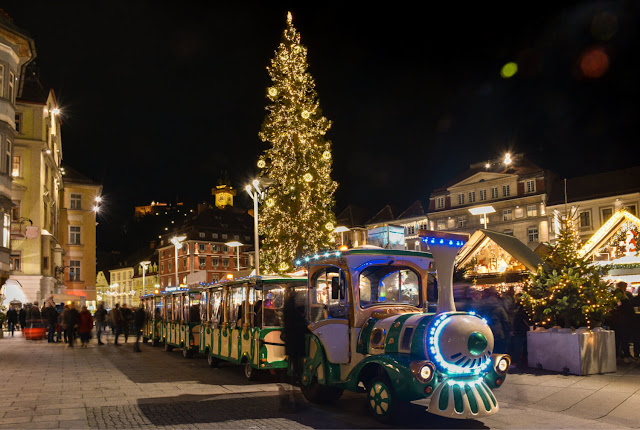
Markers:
423,371
503,365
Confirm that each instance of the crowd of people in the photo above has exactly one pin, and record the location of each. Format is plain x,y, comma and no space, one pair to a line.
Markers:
65,323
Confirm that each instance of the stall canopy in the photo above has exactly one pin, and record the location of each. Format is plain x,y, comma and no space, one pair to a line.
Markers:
496,257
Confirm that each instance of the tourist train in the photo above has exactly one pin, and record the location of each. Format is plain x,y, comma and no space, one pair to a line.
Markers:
370,330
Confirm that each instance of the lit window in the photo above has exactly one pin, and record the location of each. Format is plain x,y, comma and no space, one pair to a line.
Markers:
76,201
6,231
507,215
532,210
494,192
16,261
532,232
462,221
530,186
1,80
12,79
74,235
440,224
15,170
74,270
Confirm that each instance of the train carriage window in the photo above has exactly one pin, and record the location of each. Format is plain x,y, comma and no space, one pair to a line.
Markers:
272,304
237,297
328,295
177,307
215,307
385,284
185,306
204,306
194,307
255,307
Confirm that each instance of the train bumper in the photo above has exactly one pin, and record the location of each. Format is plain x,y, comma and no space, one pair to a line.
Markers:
464,397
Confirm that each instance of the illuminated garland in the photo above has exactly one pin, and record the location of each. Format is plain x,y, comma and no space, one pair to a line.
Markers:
297,216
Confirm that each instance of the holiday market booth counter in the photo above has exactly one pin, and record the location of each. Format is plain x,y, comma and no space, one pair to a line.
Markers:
579,352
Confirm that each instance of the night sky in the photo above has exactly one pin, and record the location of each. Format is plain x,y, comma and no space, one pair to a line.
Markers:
160,99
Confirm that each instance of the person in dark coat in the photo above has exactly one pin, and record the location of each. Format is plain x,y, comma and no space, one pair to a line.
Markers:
497,319
624,320
50,315
117,321
70,317
518,344
85,325
139,317
294,330
127,317
12,319
35,314
100,317
22,317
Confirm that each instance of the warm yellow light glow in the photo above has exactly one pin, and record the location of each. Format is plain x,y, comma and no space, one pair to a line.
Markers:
308,177
261,164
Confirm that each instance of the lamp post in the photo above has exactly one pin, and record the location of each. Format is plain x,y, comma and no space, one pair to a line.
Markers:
177,243
483,210
256,193
145,266
237,245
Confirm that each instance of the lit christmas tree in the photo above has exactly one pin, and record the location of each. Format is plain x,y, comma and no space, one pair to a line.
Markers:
568,290
296,218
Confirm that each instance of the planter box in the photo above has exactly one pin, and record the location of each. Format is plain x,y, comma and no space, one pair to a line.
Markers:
580,352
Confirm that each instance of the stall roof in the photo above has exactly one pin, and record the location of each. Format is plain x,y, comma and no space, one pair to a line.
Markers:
510,244
604,233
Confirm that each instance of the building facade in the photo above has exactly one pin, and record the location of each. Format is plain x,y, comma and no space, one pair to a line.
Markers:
78,211
17,50
36,251
121,287
515,189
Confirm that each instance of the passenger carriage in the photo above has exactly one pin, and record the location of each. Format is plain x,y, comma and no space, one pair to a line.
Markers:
180,314
242,322
152,329
370,331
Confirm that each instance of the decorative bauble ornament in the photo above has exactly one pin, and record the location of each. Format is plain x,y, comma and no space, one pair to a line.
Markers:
261,164
273,92
329,226
308,177
305,114
270,202
326,155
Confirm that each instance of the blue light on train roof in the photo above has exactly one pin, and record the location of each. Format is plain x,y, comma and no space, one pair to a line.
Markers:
434,241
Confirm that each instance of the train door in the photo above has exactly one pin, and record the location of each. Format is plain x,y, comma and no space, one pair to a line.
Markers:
329,312
237,310
194,318
215,318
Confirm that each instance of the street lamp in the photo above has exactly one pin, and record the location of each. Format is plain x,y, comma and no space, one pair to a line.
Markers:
177,243
482,210
237,245
145,266
257,194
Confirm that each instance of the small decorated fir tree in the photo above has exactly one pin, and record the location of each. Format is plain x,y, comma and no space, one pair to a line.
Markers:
296,217
567,290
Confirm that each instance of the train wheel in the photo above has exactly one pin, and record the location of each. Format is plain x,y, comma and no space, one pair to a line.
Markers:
381,400
316,392
211,360
167,347
187,352
250,372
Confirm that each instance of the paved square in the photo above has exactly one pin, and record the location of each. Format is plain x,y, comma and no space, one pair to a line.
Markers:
105,387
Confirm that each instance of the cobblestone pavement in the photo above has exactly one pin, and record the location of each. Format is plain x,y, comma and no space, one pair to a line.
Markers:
104,387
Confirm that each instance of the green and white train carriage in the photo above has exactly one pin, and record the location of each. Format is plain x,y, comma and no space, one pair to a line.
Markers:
152,329
181,325
242,322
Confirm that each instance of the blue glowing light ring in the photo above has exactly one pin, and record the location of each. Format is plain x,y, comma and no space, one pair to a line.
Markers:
443,365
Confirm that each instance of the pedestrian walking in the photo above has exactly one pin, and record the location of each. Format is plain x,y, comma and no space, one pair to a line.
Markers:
69,322
12,319
100,317
22,318
127,317
50,315
497,319
623,319
518,341
139,317
85,325
116,321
